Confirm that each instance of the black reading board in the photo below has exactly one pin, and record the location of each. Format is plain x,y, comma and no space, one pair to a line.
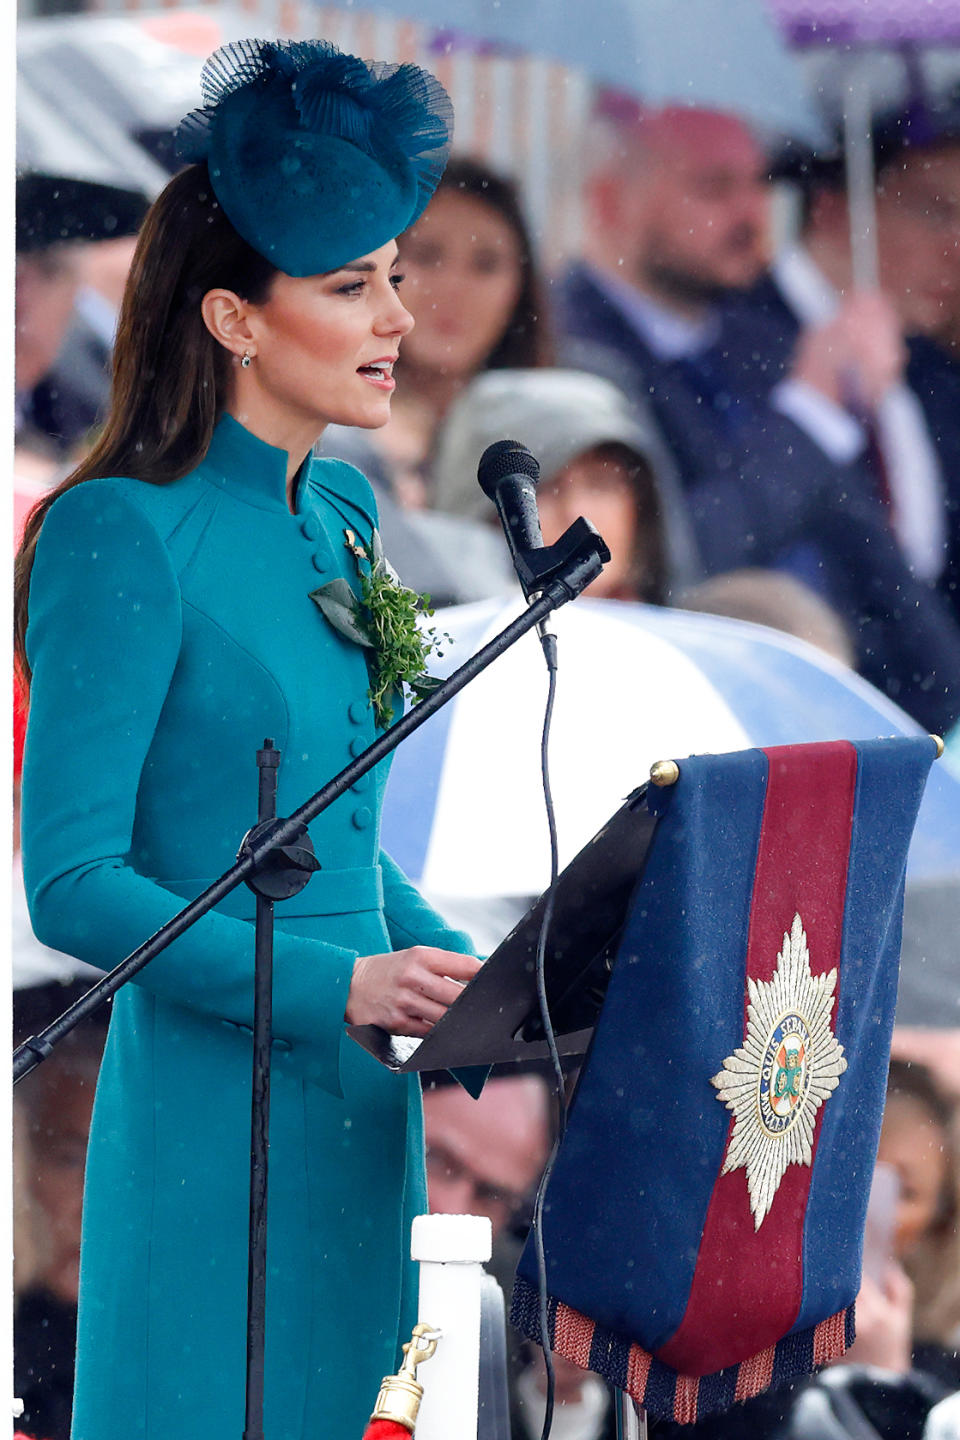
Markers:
497,1018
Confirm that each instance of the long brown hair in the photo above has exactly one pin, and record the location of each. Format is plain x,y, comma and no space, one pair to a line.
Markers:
170,375
525,342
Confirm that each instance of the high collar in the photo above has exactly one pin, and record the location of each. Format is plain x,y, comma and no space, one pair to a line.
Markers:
248,467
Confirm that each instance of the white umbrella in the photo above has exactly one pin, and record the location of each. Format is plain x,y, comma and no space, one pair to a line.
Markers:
464,811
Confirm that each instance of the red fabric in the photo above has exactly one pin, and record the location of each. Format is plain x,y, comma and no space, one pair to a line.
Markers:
573,1335
26,493
386,1430
830,1339
638,1372
685,1410
802,863
19,726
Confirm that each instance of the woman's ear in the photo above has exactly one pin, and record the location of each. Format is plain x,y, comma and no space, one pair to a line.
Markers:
226,316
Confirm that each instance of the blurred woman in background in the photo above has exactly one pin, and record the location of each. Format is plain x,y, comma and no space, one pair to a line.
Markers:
919,1140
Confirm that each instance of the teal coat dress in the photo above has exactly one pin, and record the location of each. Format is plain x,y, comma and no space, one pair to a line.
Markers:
171,631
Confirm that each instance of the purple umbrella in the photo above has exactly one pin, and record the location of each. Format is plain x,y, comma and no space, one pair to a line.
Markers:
853,27
862,23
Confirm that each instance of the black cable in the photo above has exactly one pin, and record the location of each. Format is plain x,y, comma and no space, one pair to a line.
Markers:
549,643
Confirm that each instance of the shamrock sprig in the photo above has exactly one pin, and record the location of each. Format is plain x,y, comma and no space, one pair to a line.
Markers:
383,620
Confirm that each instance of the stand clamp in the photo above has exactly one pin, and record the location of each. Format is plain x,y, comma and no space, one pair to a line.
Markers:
282,870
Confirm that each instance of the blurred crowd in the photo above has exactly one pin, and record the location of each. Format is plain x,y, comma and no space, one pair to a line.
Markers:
485,1157
753,436
716,410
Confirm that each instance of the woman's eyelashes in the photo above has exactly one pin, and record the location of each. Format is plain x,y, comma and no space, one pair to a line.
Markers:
357,287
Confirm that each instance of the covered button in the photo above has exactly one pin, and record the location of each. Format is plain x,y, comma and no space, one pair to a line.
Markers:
357,745
361,817
358,711
311,527
321,562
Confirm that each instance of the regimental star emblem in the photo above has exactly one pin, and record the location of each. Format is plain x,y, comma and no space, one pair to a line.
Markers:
789,1064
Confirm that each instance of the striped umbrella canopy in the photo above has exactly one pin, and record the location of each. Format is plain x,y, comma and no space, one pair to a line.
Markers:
464,812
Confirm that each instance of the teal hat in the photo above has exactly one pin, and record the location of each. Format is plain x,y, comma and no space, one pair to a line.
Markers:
315,156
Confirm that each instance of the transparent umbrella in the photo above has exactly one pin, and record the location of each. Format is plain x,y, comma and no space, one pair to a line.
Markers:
722,56
855,30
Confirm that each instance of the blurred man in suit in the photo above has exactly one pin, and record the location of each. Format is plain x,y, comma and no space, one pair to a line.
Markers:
914,428
772,464
73,396
74,241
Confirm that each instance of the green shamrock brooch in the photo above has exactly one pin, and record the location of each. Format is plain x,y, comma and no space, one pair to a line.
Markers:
382,619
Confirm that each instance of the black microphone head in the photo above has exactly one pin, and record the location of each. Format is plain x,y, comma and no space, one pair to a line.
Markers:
502,458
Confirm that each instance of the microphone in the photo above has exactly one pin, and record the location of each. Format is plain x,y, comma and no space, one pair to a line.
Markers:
508,475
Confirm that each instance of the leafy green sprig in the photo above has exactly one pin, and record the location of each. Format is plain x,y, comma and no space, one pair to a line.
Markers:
383,620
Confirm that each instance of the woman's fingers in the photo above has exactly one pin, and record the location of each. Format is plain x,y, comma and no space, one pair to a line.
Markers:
457,966
420,1008
439,989
407,991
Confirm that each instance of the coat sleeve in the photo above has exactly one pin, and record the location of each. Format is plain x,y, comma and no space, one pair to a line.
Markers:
410,920
103,642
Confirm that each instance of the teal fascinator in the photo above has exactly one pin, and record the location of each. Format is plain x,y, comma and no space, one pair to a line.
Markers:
315,156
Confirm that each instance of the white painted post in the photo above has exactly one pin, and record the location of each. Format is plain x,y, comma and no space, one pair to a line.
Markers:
451,1250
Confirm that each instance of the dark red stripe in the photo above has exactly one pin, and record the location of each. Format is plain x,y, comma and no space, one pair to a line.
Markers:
748,1284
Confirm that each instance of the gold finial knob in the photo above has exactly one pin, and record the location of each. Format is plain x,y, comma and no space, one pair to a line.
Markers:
938,741
665,772
400,1394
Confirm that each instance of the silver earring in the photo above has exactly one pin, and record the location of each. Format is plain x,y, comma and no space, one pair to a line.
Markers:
245,362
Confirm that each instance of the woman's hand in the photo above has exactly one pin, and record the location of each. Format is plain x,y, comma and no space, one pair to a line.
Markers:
407,991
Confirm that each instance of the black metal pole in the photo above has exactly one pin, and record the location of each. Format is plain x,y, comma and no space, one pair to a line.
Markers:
35,1049
268,759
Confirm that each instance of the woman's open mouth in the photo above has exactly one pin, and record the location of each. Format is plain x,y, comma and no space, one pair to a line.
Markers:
379,373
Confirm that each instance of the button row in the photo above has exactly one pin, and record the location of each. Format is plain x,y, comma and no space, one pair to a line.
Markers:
311,527
358,710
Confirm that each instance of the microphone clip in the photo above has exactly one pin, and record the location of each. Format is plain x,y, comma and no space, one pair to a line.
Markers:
572,562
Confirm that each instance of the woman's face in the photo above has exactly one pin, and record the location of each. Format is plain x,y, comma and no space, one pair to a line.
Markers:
912,1142
463,265
598,486
324,345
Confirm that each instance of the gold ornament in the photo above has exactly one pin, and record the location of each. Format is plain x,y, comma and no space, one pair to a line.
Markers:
664,772
400,1394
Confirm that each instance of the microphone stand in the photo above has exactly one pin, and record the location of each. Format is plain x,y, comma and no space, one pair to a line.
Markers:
276,860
